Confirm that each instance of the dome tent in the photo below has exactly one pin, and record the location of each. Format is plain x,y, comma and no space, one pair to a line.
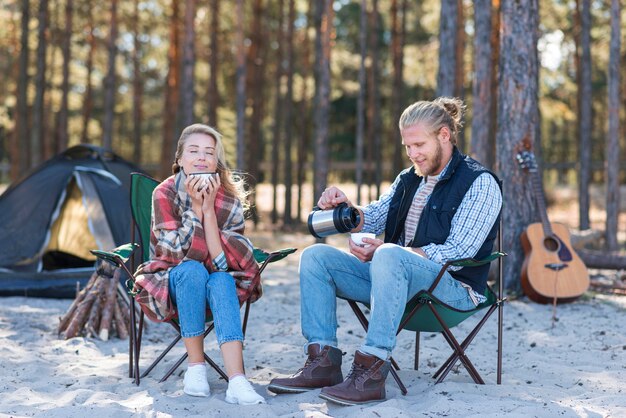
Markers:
74,202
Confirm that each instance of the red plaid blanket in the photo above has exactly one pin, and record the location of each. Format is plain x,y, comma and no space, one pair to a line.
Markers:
177,235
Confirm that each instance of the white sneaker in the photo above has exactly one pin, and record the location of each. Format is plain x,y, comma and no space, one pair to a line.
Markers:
241,392
195,381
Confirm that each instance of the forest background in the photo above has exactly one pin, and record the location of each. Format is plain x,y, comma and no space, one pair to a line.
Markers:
308,93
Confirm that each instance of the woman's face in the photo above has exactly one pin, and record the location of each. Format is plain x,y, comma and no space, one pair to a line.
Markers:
199,154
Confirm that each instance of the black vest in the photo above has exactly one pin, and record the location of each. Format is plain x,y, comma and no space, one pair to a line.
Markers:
435,221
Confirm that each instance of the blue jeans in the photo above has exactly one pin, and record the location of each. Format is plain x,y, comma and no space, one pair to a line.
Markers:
394,275
193,289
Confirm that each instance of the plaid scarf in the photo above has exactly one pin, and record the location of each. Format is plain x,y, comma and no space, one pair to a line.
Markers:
178,235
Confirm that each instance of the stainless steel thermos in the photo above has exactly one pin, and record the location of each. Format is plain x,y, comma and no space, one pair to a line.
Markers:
342,218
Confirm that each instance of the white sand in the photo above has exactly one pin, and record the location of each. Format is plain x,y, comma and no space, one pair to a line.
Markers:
576,369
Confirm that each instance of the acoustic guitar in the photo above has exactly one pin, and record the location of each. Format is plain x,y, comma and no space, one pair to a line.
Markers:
552,271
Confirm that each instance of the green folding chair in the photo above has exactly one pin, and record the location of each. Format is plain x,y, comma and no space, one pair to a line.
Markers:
141,190
425,313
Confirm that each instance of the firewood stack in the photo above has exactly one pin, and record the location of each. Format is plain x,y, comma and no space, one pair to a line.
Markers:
99,310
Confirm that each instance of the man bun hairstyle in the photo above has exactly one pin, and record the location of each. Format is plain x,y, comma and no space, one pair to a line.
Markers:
443,111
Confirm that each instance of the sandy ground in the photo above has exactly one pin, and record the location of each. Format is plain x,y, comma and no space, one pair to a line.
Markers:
575,368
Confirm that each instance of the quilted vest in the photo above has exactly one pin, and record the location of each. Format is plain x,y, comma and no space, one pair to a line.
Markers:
436,219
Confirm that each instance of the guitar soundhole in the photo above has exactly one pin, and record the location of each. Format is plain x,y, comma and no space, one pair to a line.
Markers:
551,244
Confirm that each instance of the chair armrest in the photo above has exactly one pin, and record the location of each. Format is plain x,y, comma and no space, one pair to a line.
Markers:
117,255
465,262
264,258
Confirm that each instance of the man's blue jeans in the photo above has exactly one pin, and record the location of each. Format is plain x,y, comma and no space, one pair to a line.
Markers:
193,289
394,275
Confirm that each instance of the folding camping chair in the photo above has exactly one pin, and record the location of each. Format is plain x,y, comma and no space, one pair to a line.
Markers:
141,190
425,313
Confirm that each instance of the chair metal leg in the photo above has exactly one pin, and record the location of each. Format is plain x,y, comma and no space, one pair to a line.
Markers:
500,317
365,324
417,350
466,342
245,317
457,348
132,337
163,354
394,373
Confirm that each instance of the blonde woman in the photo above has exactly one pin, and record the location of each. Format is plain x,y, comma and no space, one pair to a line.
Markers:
200,259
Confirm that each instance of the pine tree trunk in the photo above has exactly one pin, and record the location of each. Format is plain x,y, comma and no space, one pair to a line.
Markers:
612,146
376,122
398,29
278,111
213,98
88,98
65,86
323,29
517,119
21,140
109,82
584,154
288,176
40,87
304,139
187,84
447,47
360,104
241,86
255,80
481,148
172,97
137,87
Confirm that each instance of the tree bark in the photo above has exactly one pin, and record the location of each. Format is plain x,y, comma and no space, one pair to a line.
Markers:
448,22
360,104
278,111
481,148
20,143
108,307
241,85
602,259
255,79
375,123
585,128
172,94
304,139
213,98
65,86
109,82
40,87
137,87
88,98
398,30
517,118
187,84
323,28
612,146
288,176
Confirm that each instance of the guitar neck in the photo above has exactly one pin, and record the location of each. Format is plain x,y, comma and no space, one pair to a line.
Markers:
541,203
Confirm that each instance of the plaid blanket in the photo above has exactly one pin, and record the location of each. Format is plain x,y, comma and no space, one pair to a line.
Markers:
177,235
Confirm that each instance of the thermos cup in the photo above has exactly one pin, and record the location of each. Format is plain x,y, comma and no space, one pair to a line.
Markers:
340,219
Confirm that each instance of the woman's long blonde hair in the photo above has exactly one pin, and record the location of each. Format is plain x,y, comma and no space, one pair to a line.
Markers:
232,184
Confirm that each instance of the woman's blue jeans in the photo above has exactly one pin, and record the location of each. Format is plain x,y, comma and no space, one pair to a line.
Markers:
394,275
193,289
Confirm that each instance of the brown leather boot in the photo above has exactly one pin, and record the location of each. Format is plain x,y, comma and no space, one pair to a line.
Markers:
322,368
364,384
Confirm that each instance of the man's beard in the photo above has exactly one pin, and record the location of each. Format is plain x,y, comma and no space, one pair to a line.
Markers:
433,165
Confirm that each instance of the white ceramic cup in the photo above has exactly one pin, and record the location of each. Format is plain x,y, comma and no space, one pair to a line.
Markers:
357,238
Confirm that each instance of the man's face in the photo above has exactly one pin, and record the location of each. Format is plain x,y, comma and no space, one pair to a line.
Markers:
425,149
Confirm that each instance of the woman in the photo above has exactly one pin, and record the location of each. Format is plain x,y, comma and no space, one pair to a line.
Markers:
197,236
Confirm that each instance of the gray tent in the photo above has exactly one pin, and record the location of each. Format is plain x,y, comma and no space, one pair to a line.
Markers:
74,202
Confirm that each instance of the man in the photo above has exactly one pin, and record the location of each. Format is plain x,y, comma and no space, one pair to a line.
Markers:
444,207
